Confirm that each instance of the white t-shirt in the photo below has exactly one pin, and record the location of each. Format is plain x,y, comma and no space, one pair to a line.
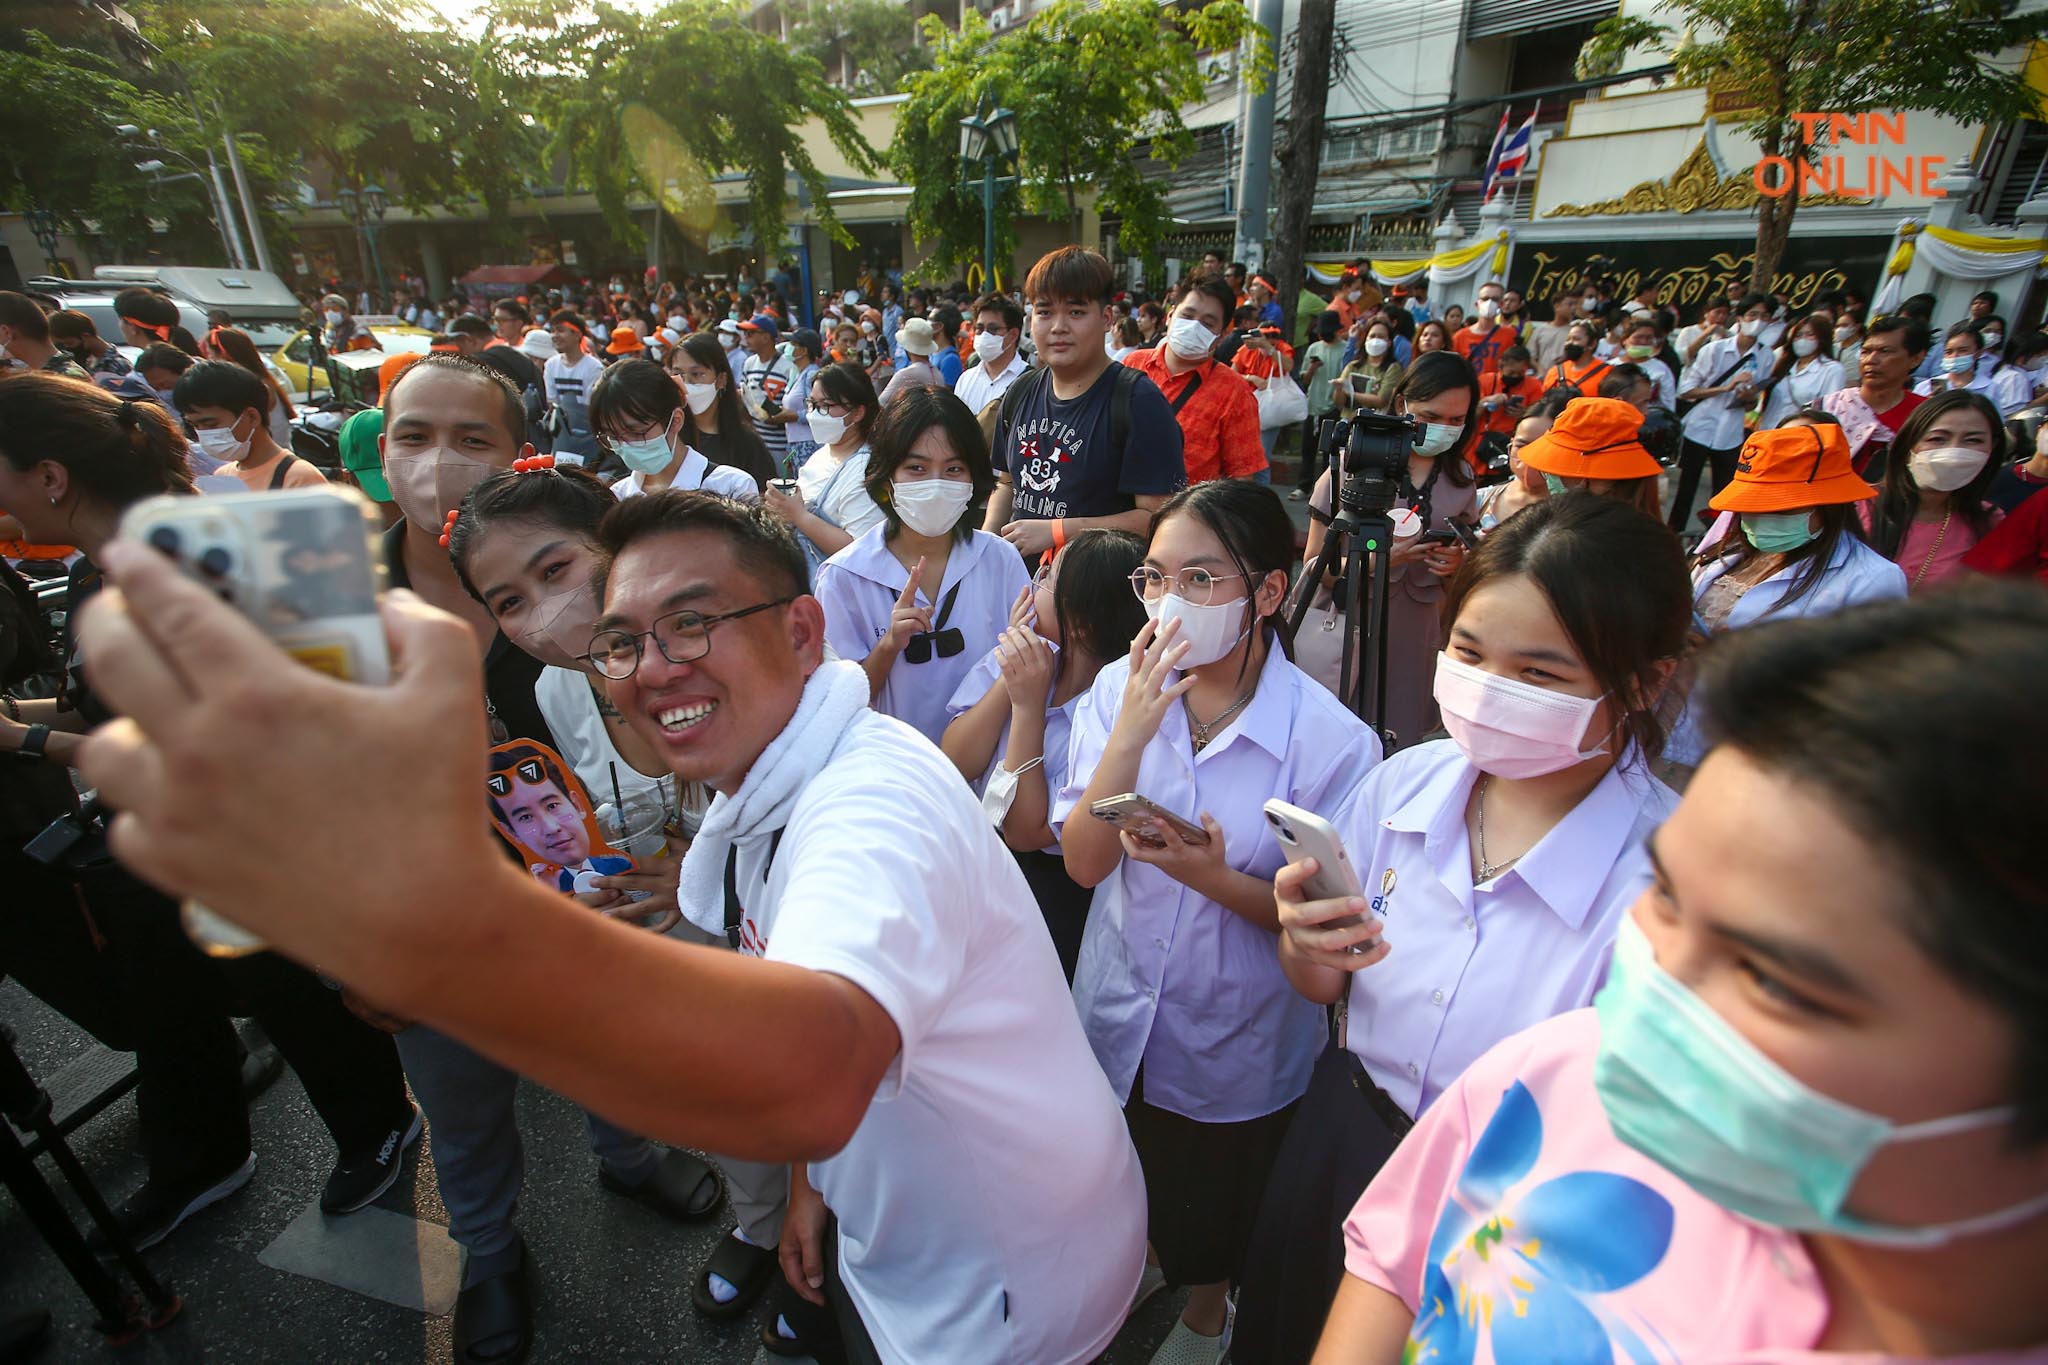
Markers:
844,502
697,472
990,1204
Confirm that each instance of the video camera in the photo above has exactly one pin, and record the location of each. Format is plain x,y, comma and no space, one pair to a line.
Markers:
1376,448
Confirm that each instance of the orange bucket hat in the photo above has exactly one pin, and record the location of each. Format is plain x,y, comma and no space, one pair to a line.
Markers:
1593,438
625,341
1787,468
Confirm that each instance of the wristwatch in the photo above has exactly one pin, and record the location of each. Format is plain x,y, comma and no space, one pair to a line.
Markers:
35,741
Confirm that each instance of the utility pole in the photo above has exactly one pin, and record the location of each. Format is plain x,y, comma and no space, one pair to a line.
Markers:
1302,158
1256,175
224,206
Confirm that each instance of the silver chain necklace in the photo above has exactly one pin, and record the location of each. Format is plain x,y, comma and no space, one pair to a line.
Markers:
1488,871
1202,731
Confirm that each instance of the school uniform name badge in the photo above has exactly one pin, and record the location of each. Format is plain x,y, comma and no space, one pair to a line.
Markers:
1381,902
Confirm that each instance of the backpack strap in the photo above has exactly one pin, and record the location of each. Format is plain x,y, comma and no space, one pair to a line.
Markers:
284,467
1012,399
735,913
1120,407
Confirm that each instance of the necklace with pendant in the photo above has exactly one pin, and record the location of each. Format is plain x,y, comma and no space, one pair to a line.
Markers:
1202,732
1488,871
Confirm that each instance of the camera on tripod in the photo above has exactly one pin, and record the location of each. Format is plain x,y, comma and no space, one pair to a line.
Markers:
1376,448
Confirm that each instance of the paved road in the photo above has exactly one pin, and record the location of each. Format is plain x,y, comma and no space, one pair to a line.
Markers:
614,1277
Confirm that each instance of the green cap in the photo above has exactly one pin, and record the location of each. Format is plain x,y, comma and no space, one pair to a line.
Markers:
358,441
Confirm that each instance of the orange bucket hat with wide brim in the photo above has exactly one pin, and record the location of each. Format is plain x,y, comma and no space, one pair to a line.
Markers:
1787,468
1593,438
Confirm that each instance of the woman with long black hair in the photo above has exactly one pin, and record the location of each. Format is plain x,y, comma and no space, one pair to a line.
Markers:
1933,507
716,426
1179,989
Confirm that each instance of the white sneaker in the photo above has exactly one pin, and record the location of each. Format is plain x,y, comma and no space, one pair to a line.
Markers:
1185,1346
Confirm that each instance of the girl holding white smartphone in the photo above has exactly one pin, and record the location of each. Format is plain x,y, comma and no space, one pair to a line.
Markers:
1179,987
1496,867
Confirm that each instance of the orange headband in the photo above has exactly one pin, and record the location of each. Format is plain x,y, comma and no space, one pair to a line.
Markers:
159,331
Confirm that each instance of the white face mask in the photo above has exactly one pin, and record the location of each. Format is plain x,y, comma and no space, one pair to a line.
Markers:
1843,336
931,507
1804,346
700,397
1376,347
1189,339
334,318
1946,468
1512,729
867,329
827,429
988,346
1489,308
1209,632
678,324
1355,295
1752,326
728,341
1991,340
222,444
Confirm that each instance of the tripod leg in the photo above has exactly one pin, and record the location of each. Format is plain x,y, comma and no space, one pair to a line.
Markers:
164,1303
119,1318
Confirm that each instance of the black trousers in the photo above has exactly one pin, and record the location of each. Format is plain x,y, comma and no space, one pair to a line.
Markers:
1063,901
1691,456
108,953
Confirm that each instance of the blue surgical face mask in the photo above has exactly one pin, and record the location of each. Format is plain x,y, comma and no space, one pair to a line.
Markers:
1958,364
1556,486
1778,533
1437,437
1682,1086
650,456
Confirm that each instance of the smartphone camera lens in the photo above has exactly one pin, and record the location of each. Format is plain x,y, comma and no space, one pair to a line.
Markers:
166,540
215,562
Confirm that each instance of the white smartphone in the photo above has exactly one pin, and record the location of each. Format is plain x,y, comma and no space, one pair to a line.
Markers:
1133,813
304,565
1304,835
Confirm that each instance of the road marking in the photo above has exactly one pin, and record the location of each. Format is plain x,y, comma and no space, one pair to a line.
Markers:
373,1252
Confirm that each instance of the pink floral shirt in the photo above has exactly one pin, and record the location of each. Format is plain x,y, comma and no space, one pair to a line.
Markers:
1518,1228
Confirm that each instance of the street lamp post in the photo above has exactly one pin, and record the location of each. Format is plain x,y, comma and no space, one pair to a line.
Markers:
989,139
367,207
136,140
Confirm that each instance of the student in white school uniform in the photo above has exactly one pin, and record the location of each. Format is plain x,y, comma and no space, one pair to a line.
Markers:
1013,715
1179,987
922,597
638,414
1497,866
831,507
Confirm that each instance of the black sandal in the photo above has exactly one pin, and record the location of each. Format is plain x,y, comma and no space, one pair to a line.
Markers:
742,1265
500,1307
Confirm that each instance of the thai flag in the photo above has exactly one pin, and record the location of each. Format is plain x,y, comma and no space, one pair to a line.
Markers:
1500,136
1511,156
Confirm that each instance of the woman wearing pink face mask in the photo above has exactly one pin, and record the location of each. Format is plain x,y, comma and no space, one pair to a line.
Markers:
1497,866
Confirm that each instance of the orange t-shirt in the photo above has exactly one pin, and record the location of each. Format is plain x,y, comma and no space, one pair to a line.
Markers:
1504,417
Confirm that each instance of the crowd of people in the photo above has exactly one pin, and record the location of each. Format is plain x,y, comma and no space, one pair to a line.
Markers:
1685,1001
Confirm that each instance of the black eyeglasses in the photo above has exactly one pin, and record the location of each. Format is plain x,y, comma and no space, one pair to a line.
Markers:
682,637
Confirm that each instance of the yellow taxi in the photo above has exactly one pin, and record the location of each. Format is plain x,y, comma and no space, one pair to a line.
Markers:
391,335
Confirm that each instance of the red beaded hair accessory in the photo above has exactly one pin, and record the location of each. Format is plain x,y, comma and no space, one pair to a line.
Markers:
533,464
448,526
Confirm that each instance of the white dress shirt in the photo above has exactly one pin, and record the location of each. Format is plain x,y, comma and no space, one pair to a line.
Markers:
980,386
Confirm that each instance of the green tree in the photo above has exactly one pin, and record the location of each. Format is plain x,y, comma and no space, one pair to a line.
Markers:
687,91
1834,56
869,45
59,152
1097,91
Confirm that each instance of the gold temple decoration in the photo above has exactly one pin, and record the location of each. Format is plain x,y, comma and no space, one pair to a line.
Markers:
1695,187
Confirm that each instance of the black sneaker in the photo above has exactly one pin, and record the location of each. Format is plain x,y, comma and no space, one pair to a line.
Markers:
360,1176
152,1212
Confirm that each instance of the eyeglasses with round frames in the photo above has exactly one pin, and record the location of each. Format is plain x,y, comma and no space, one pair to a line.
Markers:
1196,587
682,637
